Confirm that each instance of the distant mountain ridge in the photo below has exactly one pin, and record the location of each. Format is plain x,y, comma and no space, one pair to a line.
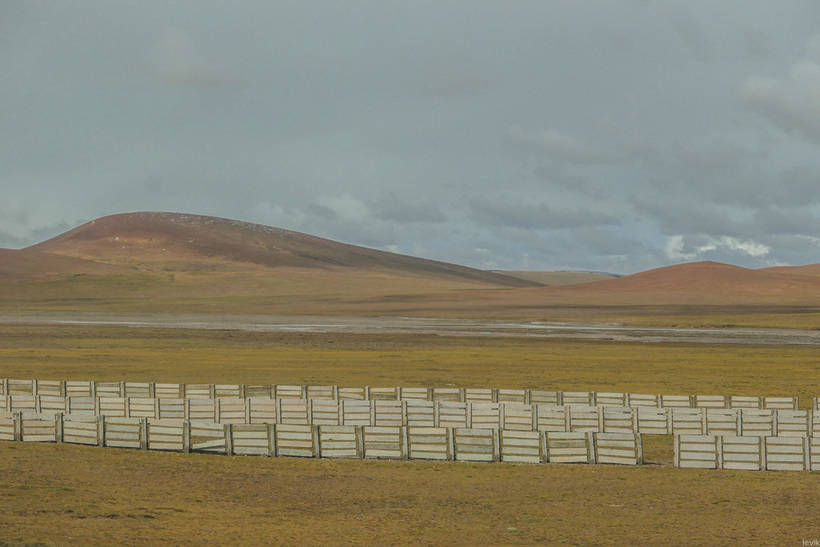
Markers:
171,262
174,240
558,278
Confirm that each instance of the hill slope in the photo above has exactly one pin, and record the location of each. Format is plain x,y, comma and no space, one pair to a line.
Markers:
702,283
16,264
171,241
555,278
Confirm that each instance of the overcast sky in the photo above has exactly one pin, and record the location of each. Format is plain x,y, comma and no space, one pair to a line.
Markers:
612,136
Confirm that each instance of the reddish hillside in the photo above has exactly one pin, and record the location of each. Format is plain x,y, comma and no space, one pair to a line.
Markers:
26,264
699,283
811,270
179,241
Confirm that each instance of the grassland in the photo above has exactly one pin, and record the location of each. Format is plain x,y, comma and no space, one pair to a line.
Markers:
68,494
179,355
329,293
76,495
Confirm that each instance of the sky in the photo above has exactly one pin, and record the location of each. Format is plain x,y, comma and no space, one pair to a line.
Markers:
546,135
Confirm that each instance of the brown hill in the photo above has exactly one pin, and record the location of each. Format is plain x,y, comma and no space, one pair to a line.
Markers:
554,279
700,283
811,270
22,264
181,242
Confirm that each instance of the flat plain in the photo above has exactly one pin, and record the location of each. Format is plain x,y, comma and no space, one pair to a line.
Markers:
187,266
59,494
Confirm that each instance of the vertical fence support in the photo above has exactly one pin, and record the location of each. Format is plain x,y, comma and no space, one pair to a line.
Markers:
317,441
186,436
144,433
228,428
58,426
100,430
18,426
272,440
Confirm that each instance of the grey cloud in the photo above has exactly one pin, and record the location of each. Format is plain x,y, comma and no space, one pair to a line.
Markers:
498,135
791,101
394,209
558,145
534,216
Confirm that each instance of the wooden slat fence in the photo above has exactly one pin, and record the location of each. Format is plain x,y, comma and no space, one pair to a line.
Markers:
705,420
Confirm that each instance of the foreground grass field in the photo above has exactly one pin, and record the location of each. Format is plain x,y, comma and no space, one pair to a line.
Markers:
69,495
64,494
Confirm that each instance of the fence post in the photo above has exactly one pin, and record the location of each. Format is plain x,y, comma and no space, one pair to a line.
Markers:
144,433
676,451
317,442
534,415
228,439
451,443
359,432
271,440
496,445
762,448
590,440
122,389
58,426
186,437
405,442
719,451
807,453
34,387
100,430
18,426
639,448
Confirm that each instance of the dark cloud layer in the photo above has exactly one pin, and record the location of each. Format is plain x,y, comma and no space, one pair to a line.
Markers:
595,135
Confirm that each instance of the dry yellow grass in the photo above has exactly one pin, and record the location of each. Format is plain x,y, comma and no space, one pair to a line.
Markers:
177,355
65,494
62,494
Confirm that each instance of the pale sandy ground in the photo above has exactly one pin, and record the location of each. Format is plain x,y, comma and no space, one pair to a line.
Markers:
414,325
